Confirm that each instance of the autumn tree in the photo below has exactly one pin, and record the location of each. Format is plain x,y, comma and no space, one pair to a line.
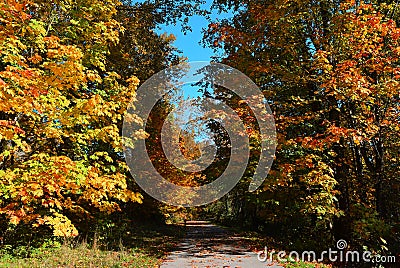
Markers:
329,70
62,101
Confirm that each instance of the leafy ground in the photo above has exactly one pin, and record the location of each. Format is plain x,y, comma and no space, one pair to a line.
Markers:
141,246
208,245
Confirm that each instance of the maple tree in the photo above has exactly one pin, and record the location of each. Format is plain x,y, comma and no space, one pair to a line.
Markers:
68,71
330,72
329,69
62,101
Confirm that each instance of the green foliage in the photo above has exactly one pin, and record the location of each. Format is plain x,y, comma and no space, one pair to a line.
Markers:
62,101
329,70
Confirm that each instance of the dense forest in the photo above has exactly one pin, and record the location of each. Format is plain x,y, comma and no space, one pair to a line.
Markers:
329,70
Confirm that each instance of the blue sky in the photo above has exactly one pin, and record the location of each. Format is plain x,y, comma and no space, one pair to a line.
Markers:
189,43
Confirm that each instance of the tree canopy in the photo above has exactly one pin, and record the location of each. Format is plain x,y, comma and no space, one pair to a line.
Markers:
330,71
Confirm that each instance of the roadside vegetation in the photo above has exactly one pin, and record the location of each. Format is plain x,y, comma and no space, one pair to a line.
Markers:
330,71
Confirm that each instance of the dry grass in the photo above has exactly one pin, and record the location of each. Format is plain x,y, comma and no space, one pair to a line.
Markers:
81,256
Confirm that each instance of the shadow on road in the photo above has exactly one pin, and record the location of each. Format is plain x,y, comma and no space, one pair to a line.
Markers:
208,245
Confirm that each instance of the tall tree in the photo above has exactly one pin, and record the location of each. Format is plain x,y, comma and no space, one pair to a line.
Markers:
329,70
62,101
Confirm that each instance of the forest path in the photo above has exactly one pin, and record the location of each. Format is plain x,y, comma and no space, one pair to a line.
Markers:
208,245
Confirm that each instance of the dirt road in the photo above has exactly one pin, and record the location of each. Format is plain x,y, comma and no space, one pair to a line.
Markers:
208,245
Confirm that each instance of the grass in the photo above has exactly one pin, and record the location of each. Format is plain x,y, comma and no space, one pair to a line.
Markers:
138,246
81,256
141,246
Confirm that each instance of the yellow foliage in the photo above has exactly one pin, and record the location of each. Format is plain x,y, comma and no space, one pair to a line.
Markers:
56,110
61,225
